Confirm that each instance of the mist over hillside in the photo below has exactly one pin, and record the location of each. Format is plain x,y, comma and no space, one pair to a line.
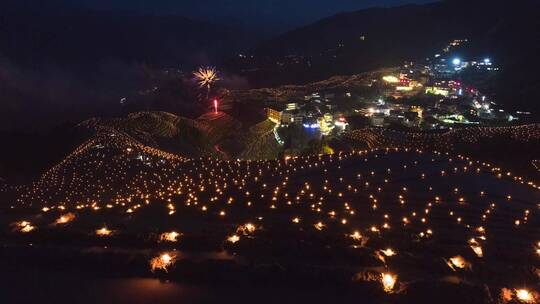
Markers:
82,62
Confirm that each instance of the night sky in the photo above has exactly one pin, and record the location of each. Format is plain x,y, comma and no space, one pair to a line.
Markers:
270,14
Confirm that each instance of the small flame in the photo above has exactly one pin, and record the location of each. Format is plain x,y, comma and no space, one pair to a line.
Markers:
246,229
388,281
169,236
104,232
525,296
162,262
457,262
23,226
233,238
388,252
357,236
319,226
64,219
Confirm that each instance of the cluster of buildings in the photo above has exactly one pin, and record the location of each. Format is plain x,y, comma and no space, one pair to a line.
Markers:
381,113
445,67
427,95
431,95
315,112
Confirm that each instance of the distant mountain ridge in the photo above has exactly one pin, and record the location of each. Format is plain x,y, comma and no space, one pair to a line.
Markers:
85,38
350,43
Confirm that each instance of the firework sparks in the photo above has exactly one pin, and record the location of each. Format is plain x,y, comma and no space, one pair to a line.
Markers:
206,77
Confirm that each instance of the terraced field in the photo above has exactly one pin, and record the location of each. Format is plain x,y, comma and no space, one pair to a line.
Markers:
398,224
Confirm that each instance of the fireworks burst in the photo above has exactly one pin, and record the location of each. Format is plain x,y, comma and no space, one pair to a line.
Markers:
206,77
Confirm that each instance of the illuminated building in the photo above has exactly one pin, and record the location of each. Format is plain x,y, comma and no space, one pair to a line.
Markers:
437,91
325,126
328,117
404,88
292,106
287,118
273,115
391,79
417,110
342,124
377,120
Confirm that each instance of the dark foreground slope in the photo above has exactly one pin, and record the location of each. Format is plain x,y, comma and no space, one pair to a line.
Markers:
457,231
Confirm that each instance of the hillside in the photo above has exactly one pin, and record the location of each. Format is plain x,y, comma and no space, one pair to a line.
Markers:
365,40
517,147
439,225
212,134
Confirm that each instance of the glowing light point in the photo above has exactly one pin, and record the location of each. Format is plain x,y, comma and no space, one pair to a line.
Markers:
388,281
162,262
103,232
215,106
524,296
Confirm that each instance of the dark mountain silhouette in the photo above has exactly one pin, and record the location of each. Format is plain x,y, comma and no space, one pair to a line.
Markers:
63,63
364,40
83,38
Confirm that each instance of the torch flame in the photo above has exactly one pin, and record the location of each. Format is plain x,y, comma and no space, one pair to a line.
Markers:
388,281
457,262
388,252
319,226
525,296
103,232
23,226
246,229
64,219
233,238
169,236
162,262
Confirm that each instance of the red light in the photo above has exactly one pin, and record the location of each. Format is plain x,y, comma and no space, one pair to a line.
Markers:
215,105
